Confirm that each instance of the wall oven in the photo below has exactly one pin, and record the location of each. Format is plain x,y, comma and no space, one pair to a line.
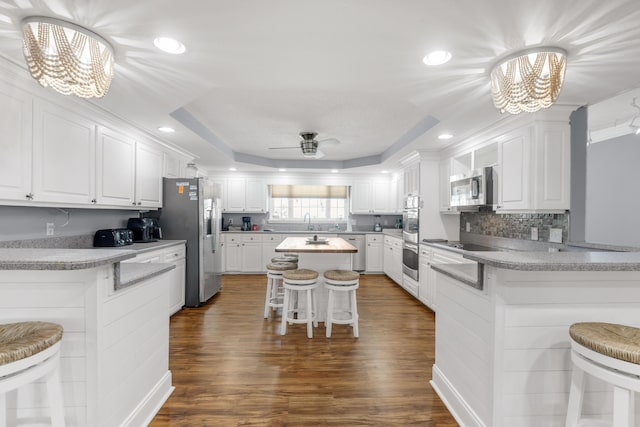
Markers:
410,224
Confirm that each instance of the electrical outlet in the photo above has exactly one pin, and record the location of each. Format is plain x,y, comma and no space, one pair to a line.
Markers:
49,229
468,227
534,233
555,235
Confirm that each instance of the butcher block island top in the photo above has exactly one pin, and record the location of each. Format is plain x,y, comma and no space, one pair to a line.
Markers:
333,245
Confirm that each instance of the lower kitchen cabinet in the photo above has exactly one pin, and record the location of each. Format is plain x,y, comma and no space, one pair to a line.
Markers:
427,284
243,253
175,255
392,260
375,253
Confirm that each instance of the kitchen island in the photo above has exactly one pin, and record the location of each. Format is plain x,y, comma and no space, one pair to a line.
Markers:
115,346
503,352
335,254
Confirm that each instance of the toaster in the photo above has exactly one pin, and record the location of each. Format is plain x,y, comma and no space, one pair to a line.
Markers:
112,237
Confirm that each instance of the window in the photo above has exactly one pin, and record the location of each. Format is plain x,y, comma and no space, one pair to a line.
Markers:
321,202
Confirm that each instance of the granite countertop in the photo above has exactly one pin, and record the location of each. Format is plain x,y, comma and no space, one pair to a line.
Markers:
131,273
603,246
140,248
60,259
299,245
558,261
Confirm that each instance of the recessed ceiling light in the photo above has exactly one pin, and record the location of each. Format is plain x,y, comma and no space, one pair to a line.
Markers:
166,129
334,170
385,171
233,169
282,170
437,57
445,136
169,45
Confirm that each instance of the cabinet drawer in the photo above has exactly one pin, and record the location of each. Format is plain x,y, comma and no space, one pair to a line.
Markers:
175,253
371,238
232,238
251,238
272,238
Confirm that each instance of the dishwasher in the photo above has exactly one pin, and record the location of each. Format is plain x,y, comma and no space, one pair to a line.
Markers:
359,259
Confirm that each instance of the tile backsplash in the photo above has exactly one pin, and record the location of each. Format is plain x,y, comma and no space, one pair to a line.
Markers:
513,226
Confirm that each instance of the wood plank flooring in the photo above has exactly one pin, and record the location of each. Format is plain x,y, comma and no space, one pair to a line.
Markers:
231,367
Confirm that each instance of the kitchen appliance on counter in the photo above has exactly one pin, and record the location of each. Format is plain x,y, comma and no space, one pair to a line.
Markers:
410,224
142,229
377,227
112,237
246,223
473,188
191,211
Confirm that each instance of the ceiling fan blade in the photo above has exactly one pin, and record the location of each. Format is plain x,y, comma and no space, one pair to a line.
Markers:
283,148
328,141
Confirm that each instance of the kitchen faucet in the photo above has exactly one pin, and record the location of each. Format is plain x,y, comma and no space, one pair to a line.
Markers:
305,218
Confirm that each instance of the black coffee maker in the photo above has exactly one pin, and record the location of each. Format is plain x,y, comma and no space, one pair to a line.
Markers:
246,223
142,229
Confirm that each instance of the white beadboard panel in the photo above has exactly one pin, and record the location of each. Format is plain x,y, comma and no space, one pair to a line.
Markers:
34,395
121,328
537,337
71,319
554,404
130,299
546,382
471,322
72,369
464,338
535,421
472,382
555,315
73,415
50,295
536,359
471,299
73,344
123,399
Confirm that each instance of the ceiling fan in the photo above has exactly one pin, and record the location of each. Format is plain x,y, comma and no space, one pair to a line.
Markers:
309,145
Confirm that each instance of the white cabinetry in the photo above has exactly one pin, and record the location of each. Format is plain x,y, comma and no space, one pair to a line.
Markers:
392,259
245,195
15,143
412,180
427,284
115,168
372,197
269,244
375,253
243,253
445,187
233,253
63,155
534,169
148,176
170,166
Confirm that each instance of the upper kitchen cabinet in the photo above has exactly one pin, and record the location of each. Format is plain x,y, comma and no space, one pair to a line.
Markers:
15,144
412,180
245,195
170,166
534,169
63,156
149,163
115,168
372,197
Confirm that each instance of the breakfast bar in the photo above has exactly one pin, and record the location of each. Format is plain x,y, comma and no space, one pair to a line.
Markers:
503,351
321,254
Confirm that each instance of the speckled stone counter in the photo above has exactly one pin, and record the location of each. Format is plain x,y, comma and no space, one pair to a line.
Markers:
559,261
60,259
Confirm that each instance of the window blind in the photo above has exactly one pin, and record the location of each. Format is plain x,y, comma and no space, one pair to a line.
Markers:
309,191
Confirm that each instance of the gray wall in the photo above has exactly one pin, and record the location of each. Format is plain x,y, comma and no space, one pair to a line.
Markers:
613,191
17,223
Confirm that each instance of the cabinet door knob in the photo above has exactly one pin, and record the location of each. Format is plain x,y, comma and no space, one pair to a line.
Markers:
134,203
29,196
139,203
94,201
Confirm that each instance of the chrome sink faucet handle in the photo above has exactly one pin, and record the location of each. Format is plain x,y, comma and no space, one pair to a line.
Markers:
308,215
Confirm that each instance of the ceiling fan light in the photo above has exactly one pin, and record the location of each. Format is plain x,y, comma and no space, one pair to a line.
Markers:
437,57
309,147
529,80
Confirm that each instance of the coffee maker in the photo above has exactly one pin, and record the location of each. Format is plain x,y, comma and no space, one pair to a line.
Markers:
246,223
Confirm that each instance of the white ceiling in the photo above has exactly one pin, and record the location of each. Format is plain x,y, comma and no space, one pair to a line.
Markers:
256,73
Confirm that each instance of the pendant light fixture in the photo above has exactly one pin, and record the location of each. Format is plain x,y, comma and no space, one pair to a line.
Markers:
528,80
67,57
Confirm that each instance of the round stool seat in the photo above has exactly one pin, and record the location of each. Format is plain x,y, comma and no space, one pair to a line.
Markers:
302,274
21,340
281,266
341,275
284,259
617,341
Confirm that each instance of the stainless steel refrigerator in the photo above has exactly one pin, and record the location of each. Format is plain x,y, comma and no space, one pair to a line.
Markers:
191,211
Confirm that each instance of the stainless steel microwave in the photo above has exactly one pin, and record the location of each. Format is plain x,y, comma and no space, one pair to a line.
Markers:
473,188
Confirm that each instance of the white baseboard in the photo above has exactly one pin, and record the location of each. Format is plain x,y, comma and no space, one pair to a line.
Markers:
143,414
455,403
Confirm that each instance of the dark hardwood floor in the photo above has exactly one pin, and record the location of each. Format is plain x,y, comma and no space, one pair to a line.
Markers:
231,367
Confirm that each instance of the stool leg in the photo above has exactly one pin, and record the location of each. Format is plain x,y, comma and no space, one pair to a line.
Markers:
267,298
327,322
315,307
622,407
309,314
576,394
285,312
354,313
54,390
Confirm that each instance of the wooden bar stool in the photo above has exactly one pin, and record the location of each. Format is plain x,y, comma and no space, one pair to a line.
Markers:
611,353
342,281
30,351
296,281
275,292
